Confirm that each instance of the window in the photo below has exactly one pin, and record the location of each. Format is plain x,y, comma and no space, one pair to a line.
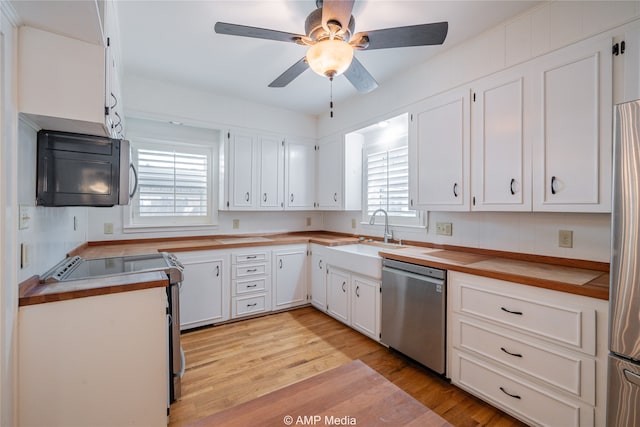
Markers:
388,182
386,171
176,180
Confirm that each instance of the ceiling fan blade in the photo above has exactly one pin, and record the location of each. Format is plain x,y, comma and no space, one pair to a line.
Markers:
360,77
337,10
413,35
255,32
292,72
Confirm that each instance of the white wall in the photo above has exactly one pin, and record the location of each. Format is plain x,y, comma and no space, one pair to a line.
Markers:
8,202
536,32
50,235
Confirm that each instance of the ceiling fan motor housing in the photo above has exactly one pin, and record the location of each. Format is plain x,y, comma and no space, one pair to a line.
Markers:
316,32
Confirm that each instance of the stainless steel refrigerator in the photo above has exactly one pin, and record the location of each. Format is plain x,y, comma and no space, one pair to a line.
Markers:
623,389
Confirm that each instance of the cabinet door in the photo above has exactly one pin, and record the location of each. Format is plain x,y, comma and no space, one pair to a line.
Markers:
338,294
439,152
499,146
290,275
242,170
572,169
300,175
271,173
330,174
318,282
365,306
204,293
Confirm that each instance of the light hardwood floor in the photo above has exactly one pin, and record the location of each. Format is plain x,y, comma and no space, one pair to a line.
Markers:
237,362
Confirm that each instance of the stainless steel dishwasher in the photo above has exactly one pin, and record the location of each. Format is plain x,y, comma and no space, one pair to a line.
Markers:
414,312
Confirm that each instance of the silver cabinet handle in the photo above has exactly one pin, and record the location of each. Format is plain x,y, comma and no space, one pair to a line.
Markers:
518,313
246,196
252,270
509,353
357,289
251,256
252,305
320,264
217,271
264,197
280,262
291,198
455,189
513,181
515,396
553,185
252,286
411,202
335,197
343,286
135,186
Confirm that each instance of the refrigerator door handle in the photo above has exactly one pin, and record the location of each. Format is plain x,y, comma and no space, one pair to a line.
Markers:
632,377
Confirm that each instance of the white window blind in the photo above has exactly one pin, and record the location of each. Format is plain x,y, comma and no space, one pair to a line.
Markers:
388,182
172,184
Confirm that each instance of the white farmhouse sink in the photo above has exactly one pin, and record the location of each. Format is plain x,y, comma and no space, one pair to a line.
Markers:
358,258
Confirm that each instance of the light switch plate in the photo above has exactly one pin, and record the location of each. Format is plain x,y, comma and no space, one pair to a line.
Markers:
444,228
24,217
236,223
108,228
565,238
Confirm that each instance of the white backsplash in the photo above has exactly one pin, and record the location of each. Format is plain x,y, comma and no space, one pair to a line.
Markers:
525,232
50,234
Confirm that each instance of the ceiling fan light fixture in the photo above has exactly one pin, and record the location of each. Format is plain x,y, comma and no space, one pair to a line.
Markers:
330,57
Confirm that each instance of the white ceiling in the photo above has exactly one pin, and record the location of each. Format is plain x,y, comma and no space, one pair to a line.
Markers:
174,41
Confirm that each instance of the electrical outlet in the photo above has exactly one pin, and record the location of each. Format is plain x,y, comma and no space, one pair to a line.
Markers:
308,221
353,223
236,223
444,228
108,228
565,238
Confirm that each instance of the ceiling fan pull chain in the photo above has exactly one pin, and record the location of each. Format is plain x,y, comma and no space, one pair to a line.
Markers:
331,97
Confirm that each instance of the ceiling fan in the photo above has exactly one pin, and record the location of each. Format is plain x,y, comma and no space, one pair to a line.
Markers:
331,40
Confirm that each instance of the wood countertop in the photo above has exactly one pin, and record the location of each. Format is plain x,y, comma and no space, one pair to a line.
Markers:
580,277
33,292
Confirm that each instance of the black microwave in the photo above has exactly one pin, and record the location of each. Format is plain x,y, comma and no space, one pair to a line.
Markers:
83,170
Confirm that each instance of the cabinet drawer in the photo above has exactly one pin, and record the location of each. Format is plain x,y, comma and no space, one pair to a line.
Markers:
246,270
249,257
249,286
569,371
570,326
525,400
243,306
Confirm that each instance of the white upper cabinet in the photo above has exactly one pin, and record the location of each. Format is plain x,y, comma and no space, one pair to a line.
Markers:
62,82
339,179
573,135
500,147
242,170
439,152
300,162
255,171
271,172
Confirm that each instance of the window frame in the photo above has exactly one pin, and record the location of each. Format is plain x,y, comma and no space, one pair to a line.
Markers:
134,223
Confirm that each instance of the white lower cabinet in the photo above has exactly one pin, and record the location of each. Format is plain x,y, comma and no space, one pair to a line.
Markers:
290,276
250,282
354,300
318,277
537,354
204,293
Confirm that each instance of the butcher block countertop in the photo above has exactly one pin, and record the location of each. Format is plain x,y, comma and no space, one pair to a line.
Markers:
588,278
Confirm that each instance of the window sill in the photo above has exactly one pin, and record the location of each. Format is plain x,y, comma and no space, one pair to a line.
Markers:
157,228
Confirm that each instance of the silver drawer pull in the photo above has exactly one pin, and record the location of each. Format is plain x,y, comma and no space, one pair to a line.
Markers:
515,396
251,257
252,305
509,353
519,313
252,286
252,270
